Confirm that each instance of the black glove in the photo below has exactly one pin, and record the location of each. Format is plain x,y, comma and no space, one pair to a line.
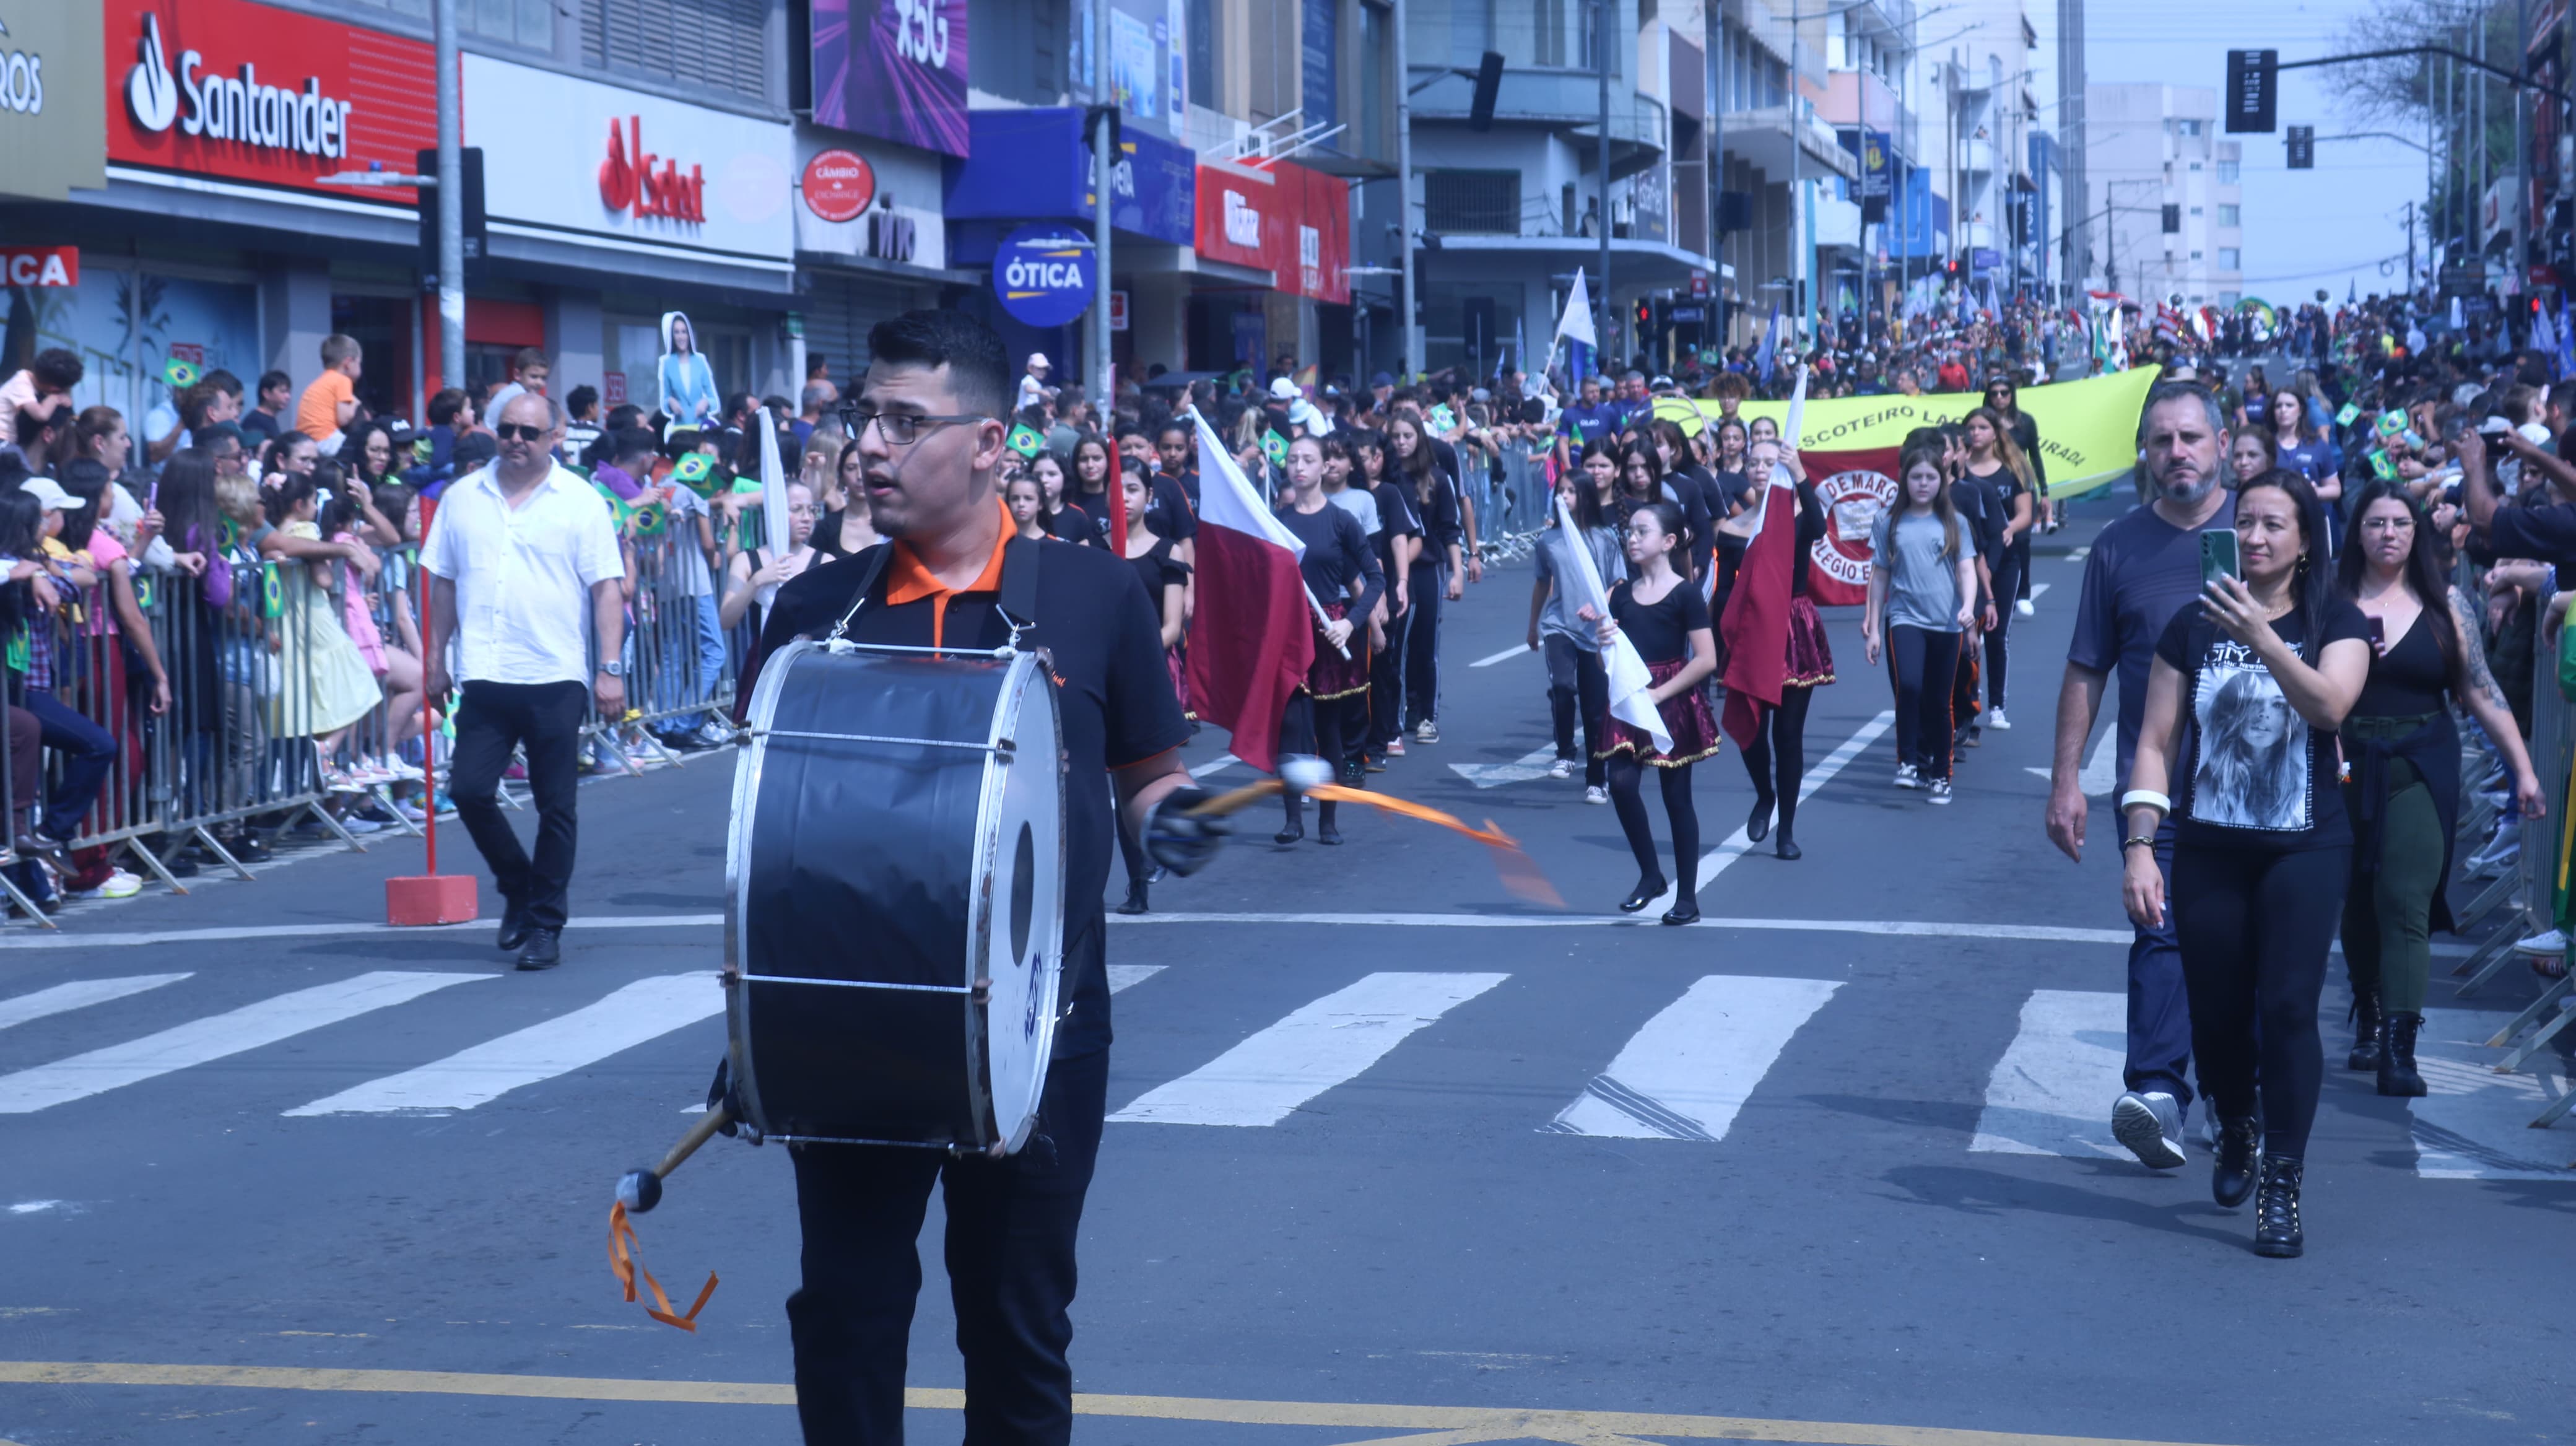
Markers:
1179,840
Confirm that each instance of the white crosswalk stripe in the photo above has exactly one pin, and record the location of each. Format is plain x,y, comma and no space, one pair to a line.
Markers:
79,994
1326,1043
214,1037
1128,976
1686,1074
2052,1091
642,1011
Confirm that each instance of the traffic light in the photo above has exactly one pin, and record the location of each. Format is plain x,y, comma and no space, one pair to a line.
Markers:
2303,148
469,161
2251,89
1645,316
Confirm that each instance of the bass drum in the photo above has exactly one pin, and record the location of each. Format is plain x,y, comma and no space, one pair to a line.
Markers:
894,922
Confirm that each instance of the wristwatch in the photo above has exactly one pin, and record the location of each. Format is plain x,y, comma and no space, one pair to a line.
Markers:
613,669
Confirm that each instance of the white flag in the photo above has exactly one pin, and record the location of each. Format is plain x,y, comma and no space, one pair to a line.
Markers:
1576,324
1227,500
1630,683
774,536
1789,436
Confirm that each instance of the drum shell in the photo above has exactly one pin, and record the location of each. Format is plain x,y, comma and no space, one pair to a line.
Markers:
869,867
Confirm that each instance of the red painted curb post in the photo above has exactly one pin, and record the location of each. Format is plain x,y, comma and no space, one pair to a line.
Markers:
433,898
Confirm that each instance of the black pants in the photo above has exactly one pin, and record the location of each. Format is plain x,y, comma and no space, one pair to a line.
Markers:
1777,758
1424,587
1309,725
1010,1254
1921,662
2254,930
2009,576
1386,685
1626,785
1578,684
545,719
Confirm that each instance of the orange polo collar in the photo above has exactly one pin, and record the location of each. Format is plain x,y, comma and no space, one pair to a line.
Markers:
910,581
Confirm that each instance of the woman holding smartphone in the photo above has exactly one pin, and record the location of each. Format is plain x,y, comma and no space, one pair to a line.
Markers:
2404,757
2267,665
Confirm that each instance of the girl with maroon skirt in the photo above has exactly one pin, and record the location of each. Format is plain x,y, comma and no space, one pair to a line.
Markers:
1164,577
1341,571
1667,620
1777,757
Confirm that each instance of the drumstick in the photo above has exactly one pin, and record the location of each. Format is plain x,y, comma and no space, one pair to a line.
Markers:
1519,871
1300,773
641,1190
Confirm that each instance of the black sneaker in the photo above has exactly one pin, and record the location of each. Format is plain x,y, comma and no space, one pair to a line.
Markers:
514,928
544,949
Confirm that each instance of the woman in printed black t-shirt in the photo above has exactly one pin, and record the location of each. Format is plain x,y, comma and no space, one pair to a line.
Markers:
1667,620
2263,672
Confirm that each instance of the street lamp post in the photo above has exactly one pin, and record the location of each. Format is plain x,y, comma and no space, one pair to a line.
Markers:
451,205
1104,187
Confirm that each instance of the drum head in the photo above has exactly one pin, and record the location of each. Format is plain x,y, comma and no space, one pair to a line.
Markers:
1023,904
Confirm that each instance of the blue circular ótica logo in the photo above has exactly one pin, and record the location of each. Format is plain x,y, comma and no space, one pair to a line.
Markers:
1046,274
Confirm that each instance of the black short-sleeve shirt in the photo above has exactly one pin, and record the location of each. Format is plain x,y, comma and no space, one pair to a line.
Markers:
1660,629
2258,777
2546,534
1113,693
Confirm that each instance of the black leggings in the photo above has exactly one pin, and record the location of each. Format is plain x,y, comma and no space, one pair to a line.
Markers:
1626,782
2008,582
1307,726
1578,686
1922,662
1779,751
2254,930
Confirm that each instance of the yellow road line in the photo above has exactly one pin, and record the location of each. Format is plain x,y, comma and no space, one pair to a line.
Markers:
1437,1423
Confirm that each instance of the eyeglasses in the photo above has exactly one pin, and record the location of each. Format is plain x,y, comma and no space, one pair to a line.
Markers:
902,429
519,432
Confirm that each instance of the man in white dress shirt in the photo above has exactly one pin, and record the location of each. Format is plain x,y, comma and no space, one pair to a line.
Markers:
517,554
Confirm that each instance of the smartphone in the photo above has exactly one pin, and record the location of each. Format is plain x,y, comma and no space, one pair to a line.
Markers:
2378,636
2217,556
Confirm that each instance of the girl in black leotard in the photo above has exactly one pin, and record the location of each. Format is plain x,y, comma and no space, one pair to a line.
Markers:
1341,571
1667,620
1999,465
1777,759
1164,577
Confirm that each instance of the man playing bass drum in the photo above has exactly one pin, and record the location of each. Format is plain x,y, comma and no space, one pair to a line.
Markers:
929,424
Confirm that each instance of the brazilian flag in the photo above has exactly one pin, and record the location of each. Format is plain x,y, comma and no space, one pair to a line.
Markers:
1274,447
2345,417
180,375
272,592
1025,440
652,519
697,472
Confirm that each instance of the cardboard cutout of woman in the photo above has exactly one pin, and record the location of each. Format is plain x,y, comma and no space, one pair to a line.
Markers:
688,385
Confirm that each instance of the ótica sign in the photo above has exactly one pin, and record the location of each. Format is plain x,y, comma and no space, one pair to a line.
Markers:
1045,274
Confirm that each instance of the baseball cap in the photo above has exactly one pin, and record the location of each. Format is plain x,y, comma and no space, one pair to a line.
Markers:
1038,359
1382,379
1282,388
49,494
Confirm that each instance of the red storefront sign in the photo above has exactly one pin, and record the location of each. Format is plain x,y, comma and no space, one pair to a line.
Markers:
628,182
39,266
839,185
1281,218
253,93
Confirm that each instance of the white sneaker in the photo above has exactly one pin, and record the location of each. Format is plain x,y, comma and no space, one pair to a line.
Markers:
1940,790
2552,942
119,885
1908,776
1395,746
1561,768
1996,720
2150,1126
1596,794
2024,608
1429,732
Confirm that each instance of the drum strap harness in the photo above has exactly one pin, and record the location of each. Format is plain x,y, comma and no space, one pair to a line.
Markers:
1019,598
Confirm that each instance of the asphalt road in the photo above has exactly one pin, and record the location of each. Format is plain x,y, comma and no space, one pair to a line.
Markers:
1405,1159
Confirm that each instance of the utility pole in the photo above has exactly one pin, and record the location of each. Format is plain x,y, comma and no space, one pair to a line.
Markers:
1601,16
2521,162
2078,262
1408,359
1104,179
1798,279
2410,248
451,204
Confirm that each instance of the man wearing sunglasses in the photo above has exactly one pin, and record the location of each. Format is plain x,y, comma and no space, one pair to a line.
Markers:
518,556
929,427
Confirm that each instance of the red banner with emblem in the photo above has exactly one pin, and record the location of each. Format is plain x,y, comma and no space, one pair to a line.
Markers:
1855,487
1280,217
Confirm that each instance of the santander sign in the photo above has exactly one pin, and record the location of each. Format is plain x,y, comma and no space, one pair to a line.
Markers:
239,107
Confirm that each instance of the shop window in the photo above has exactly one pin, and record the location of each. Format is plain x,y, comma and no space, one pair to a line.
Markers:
2231,258
720,44
1206,45
1474,202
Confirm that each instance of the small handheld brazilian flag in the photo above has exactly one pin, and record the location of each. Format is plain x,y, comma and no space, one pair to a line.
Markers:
652,519
1275,447
1025,440
272,592
697,472
2380,466
2350,411
181,375
2392,422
